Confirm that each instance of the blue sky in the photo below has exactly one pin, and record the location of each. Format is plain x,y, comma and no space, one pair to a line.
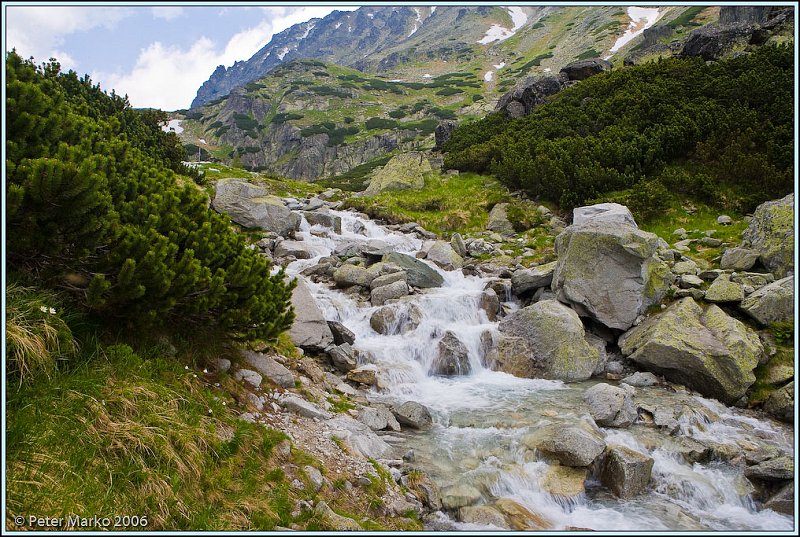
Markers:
157,54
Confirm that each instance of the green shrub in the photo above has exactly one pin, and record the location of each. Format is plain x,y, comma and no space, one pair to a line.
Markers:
277,119
380,123
449,91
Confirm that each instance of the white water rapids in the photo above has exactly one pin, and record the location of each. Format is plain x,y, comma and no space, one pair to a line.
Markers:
481,418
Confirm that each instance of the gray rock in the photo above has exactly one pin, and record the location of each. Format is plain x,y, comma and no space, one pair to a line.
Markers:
304,408
782,501
710,242
397,289
641,379
525,281
363,375
325,219
452,357
221,365
706,350
610,406
460,495
444,256
296,249
479,247
442,132
772,303
724,290
688,281
780,403
490,303
738,259
498,219
418,274
252,206
776,469
389,320
482,515
332,521
341,334
249,376
603,212
348,275
413,414
343,357
696,294
625,471
315,476
597,256
378,418
269,368
771,234
583,69
684,267
386,279
756,280
310,329
530,93
572,446
555,340
724,220
457,242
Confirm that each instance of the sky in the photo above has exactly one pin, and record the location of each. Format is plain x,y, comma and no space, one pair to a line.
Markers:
157,54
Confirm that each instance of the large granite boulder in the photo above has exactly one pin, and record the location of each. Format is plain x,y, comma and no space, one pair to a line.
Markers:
771,234
444,256
405,171
525,282
625,471
704,349
452,357
530,93
550,341
252,206
711,42
583,69
418,274
310,329
603,212
780,403
571,445
268,367
772,303
607,269
413,415
358,437
396,289
611,406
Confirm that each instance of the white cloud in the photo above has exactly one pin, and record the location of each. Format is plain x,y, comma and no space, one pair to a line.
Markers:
39,31
167,12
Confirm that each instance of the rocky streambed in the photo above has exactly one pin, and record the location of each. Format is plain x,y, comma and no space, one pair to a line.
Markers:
510,398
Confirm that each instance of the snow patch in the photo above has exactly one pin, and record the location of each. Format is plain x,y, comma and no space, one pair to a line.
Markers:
433,10
500,65
396,80
173,125
546,69
282,53
426,75
308,30
418,22
498,33
371,15
337,25
202,141
641,19
488,76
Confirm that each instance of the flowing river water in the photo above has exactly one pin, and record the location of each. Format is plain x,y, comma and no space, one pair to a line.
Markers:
481,419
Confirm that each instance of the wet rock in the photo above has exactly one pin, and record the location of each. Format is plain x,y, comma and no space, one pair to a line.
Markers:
380,295
296,249
738,259
782,501
525,281
444,256
413,414
483,515
564,481
310,329
358,437
521,518
555,335
460,495
771,234
389,320
341,334
706,350
249,376
776,469
625,471
418,274
330,520
724,290
610,406
641,379
363,375
304,408
252,206
378,418
452,358
498,220
405,171
269,368
780,403
583,69
571,445
490,303
772,303
325,219
343,357
599,255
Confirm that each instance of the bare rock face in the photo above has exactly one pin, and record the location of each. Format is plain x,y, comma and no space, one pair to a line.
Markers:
583,69
530,94
443,131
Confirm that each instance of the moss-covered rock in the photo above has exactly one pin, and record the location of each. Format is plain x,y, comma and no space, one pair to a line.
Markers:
771,234
405,171
772,303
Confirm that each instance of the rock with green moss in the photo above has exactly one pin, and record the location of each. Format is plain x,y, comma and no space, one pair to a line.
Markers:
625,471
405,171
771,234
552,343
724,290
780,403
252,206
608,270
330,520
772,303
704,349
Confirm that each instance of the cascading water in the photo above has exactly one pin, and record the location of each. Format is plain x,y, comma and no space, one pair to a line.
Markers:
481,418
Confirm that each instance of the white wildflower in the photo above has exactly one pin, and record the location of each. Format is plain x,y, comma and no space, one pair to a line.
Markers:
205,371
43,309
52,311
186,367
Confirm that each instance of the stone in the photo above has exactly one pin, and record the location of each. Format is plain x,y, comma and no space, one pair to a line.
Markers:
724,220
460,495
603,212
571,445
418,274
521,518
597,256
490,303
529,94
564,481
304,408
782,501
771,234
269,368
341,334
482,515
329,520
343,357
688,281
709,242
625,471
780,403
296,249
315,476
390,320
249,376
772,303
348,275
396,289
556,340
413,414
610,406
359,438
252,206
684,267
363,375
498,219
525,281
513,355
310,329
775,469
378,418
738,259
583,69
641,379
221,365
386,279
756,280
479,247
444,256
452,358
703,349
405,171
324,219
724,290
442,133
457,243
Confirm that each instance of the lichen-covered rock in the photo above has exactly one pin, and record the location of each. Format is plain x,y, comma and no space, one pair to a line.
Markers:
724,290
330,520
525,281
413,414
405,171
418,274
460,495
625,471
452,357
571,445
608,270
772,303
780,403
556,341
738,259
498,219
610,406
310,329
771,234
564,481
444,256
252,206
583,69
706,350
348,275
380,295
269,368
603,212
